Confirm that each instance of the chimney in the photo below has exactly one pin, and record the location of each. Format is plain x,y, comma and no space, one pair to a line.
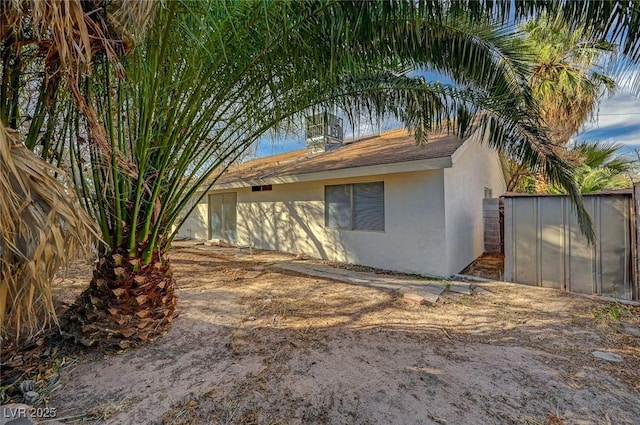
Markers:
323,133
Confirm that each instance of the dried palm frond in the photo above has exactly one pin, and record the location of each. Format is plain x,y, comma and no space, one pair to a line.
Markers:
70,34
73,31
42,228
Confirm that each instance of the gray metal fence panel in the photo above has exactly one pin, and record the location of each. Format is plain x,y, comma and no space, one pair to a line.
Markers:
580,256
551,236
544,245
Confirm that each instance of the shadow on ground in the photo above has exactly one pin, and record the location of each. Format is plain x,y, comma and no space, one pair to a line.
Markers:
256,344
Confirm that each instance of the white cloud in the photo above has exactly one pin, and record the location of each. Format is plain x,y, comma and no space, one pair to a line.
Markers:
618,120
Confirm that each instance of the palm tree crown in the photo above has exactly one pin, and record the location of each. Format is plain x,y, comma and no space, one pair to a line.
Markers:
568,78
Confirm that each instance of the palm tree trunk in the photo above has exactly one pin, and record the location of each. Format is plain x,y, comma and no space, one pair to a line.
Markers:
126,303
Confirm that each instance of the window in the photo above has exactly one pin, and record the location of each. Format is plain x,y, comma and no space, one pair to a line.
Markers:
488,193
358,206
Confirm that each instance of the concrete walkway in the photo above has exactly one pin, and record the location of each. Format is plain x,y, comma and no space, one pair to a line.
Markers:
415,289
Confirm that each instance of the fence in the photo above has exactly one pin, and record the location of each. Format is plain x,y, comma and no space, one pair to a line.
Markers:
543,244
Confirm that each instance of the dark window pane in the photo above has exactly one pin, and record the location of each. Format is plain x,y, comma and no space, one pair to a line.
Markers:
368,206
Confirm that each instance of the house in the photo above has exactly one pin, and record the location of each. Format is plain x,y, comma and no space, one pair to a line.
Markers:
379,201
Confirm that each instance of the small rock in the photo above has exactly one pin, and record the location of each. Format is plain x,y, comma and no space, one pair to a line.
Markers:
461,289
633,330
27,385
610,357
30,397
413,298
268,301
479,290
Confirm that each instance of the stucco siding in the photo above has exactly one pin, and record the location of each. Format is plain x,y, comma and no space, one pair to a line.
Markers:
433,218
195,226
290,218
475,167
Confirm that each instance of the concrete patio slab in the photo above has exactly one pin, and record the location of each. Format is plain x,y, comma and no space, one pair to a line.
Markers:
429,290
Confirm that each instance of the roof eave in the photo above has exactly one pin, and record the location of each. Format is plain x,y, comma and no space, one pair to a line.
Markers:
370,170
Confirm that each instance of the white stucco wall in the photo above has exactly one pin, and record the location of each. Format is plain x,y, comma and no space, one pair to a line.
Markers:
290,218
474,167
195,226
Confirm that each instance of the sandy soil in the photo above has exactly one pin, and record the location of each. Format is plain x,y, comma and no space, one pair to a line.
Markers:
257,345
489,266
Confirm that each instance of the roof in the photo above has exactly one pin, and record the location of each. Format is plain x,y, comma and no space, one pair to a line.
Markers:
392,147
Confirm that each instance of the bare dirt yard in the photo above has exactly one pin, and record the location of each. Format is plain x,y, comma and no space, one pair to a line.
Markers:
255,344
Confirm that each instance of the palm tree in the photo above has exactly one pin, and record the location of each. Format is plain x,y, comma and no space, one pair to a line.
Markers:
567,81
143,136
44,47
42,229
255,69
599,167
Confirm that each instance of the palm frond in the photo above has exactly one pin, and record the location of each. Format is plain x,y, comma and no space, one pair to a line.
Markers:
42,229
73,31
617,21
178,135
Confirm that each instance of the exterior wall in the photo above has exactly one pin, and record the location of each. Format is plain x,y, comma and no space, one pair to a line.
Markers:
475,167
195,226
290,218
423,233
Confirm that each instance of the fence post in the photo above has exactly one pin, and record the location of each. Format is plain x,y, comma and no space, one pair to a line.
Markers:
635,241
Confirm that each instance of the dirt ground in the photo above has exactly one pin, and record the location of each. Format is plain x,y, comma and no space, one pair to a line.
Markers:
255,344
489,266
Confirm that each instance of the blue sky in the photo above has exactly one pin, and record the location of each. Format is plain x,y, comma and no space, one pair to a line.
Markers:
618,121
268,145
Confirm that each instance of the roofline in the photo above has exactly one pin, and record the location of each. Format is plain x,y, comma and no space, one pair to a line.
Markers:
473,138
368,170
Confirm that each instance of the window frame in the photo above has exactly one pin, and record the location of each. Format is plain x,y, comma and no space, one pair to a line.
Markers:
351,211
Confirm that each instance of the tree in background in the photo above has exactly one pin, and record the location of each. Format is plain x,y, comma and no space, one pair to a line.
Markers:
568,81
600,168
568,78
